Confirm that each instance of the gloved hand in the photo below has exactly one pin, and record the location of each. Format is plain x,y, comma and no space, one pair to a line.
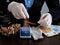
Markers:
45,20
18,10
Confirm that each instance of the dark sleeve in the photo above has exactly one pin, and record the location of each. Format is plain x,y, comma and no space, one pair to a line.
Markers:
53,6
4,4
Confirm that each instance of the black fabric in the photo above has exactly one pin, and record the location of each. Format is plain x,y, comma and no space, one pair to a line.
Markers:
54,9
53,5
34,11
6,18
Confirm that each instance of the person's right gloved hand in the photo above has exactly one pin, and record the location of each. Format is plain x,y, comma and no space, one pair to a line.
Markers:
18,10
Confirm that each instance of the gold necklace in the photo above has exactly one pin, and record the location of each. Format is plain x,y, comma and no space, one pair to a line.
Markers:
47,30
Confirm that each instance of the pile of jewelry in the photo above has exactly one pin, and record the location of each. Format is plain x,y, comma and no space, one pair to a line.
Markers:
12,29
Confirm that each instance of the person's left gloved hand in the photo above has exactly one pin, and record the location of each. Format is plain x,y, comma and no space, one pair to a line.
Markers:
45,20
18,10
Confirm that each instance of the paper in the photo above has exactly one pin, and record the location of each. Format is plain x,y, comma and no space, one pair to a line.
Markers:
50,33
56,28
36,33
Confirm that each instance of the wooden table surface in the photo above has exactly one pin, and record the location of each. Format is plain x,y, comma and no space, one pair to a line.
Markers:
15,40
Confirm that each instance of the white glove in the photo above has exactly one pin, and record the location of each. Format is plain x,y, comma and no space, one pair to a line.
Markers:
18,10
45,20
